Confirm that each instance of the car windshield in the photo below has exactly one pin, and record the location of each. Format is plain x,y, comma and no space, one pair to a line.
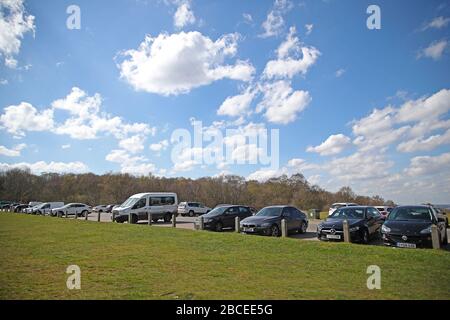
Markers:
216,212
336,206
348,212
410,213
270,212
129,202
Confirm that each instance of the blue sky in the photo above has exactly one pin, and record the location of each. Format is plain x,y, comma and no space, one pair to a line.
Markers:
353,106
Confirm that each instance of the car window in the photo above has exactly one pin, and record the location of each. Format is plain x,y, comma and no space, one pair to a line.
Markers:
375,212
155,201
141,203
233,210
167,200
243,210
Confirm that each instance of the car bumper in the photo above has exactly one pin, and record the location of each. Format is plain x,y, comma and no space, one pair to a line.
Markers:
417,241
265,231
355,236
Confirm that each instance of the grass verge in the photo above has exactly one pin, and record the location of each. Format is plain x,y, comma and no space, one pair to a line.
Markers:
120,261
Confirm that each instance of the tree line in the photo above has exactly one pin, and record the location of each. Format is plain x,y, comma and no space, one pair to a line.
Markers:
114,188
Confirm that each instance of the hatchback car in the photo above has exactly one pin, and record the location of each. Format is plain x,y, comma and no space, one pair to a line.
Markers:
410,227
364,222
268,221
223,217
192,208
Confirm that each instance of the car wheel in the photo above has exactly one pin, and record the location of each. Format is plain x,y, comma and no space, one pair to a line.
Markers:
303,227
219,226
275,231
365,236
191,213
155,220
134,219
167,217
84,213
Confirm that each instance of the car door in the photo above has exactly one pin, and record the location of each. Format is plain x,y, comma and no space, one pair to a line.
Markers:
287,215
244,212
229,216
156,208
296,218
141,208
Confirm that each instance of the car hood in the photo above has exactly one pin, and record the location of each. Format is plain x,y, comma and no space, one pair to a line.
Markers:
259,219
337,223
407,227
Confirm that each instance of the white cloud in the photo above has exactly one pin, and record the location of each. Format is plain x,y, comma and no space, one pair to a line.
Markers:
176,63
426,165
333,145
437,23
293,58
157,147
3,82
133,144
309,28
14,152
247,18
424,144
135,165
274,23
42,167
237,105
339,73
17,119
14,24
65,146
434,50
281,103
184,15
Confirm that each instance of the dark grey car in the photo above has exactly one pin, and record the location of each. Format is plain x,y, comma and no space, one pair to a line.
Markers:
268,221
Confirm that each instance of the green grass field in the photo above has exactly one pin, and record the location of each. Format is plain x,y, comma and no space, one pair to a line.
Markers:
140,262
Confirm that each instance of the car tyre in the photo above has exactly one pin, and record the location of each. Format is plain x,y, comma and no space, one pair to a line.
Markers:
303,227
365,236
84,213
167,217
219,226
191,213
134,219
275,231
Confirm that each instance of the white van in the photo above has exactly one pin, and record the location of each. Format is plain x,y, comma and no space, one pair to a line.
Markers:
160,204
46,207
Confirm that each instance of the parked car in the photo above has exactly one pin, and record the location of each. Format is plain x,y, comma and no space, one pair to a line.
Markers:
364,223
410,227
110,207
338,205
192,208
161,205
20,207
100,208
46,207
34,203
268,221
384,210
31,208
223,217
78,209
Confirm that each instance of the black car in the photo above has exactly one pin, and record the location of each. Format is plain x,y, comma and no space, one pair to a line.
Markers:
268,221
364,223
20,207
224,217
410,227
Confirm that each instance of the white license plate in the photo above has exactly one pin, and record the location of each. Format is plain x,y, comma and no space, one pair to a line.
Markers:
248,229
406,245
333,236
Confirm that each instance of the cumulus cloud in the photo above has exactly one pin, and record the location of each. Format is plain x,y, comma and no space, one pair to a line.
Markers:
14,152
44,167
14,24
434,51
237,105
426,165
281,103
293,58
184,15
309,28
157,147
333,145
274,23
177,63
437,23
17,119
135,165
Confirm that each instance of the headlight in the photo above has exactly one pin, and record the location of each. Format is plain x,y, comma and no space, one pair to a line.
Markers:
426,230
385,229
353,229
